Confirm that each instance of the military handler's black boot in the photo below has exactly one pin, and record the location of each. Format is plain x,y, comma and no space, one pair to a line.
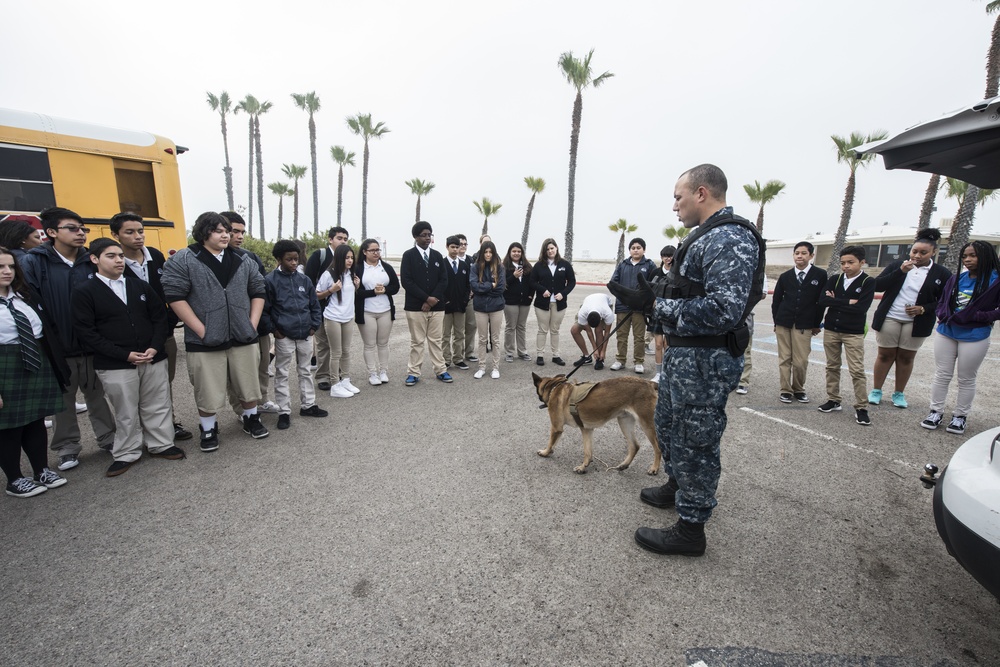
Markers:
660,496
681,539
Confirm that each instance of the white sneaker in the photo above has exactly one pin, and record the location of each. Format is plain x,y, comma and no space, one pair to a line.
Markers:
640,369
617,366
495,374
269,407
81,408
340,391
656,378
346,384
479,374
48,423
373,379
384,377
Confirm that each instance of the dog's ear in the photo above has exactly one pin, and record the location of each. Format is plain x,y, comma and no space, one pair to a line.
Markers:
561,375
535,379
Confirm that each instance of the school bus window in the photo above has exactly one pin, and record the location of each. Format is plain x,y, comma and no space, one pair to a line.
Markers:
136,188
25,179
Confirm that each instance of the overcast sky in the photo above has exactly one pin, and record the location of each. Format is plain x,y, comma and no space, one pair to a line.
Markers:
475,101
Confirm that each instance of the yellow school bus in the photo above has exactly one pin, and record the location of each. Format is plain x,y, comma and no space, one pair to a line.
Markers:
93,170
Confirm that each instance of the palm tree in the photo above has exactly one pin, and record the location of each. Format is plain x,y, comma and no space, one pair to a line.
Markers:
676,233
249,105
486,208
419,188
579,75
282,190
625,228
962,226
294,172
341,157
536,185
927,208
309,102
763,196
223,105
846,153
264,108
968,196
361,124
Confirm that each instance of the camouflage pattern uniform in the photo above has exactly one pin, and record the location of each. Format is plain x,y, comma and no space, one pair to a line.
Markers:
697,381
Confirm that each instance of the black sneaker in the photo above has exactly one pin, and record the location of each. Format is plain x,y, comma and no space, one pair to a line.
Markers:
785,397
801,397
830,406
861,416
540,361
599,365
181,433
558,361
253,427
323,386
957,425
583,361
24,488
314,411
681,539
49,479
170,453
462,366
209,439
473,358
932,421
119,467
284,421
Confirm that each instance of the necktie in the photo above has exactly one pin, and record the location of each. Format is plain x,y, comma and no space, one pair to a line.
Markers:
426,261
454,265
30,356
802,276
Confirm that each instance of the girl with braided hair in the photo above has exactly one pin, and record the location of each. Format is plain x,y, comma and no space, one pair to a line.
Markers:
969,306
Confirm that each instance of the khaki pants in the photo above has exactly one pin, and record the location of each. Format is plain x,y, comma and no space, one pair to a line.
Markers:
489,325
637,325
285,350
425,332
854,350
263,379
794,346
470,330
375,335
140,397
211,373
747,356
322,356
65,429
453,336
549,322
339,335
514,333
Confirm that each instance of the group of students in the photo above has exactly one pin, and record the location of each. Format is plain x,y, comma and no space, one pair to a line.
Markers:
916,293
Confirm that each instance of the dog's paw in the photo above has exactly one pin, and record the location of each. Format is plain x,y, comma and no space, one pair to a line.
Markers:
620,466
653,470
579,470
544,452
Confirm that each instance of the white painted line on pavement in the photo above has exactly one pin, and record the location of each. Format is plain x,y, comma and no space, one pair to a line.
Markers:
830,438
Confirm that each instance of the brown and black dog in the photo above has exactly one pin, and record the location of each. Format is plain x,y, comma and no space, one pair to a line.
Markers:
627,399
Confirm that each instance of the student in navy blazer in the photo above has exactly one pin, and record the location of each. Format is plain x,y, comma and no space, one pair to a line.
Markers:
904,318
424,276
552,279
797,317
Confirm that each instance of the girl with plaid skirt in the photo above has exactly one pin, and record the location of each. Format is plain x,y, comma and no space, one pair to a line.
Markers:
31,387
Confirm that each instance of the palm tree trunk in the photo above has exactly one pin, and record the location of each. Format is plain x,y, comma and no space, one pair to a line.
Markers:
228,170
340,198
260,175
486,224
295,213
621,249
417,219
281,209
927,208
845,220
250,185
993,62
961,229
364,194
574,142
527,220
760,219
315,177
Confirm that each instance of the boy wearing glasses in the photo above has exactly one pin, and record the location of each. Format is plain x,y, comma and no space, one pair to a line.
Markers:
53,269
424,276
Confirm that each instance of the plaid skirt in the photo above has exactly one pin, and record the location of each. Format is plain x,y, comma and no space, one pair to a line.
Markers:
27,397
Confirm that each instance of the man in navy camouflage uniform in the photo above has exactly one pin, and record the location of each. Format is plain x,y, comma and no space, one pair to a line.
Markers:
690,412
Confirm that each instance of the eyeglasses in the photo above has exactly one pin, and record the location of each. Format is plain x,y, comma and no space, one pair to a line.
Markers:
373,250
73,229
462,244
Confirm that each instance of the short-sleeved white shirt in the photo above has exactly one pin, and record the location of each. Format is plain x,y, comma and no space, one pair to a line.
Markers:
600,303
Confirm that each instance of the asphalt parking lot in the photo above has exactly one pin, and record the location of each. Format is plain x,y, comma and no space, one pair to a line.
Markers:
417,526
